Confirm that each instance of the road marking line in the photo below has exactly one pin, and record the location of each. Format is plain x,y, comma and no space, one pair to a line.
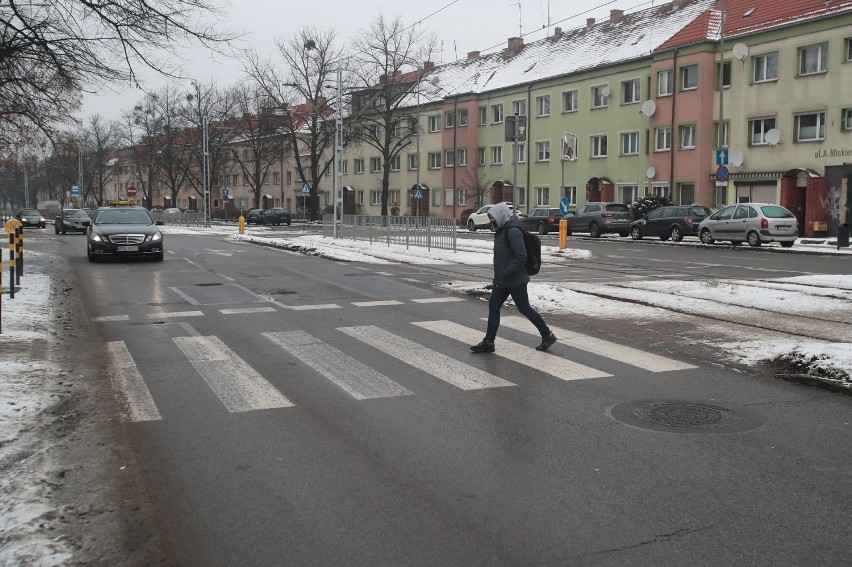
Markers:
129,386
175,314
375,303
243,310
108,318
383,273
351,375
432,362
438,299
542,361
238,385
310,307
607,349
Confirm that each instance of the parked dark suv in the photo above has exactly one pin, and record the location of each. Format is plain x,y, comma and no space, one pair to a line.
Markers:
600,218
673,222
275,216
542,220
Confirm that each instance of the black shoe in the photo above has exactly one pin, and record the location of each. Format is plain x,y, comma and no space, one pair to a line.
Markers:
546,342
484,346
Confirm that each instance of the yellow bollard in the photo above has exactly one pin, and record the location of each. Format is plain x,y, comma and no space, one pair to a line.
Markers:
563,234
242,224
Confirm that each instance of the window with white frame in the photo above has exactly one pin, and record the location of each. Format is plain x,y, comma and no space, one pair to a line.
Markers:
628,194
326,198
687,136
522,198
375,164
414,125
483,116
660,190
375,197
689,77
542,150
359,197
480,156
522,152
663,139
629,143
397,129
570,192
665,83
449,158
598,146
393,196
450,119
570,101
436,197
434,123
758,128
542,105
496,113
630,93
461,197
519,107
686,193
722,134
847,49
344,167
448,197
359,165
723,74
600,98
413,162
765,67
276,176
375,131
462,155
434,160
810,127
496,155
462,117
395,163
542,196
846,119
813,59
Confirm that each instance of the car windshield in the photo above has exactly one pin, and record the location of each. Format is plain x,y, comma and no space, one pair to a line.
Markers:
618,207
123,216
776,212
75,214
30,214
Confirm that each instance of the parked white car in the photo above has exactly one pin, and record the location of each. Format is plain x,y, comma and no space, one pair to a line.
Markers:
754,223
479,219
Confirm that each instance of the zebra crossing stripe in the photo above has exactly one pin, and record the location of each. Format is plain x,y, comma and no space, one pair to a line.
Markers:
129,386
376,303
523,354
438,299
614,351
310,307
439,365
246,310
175,314
351,375
238,385
109,318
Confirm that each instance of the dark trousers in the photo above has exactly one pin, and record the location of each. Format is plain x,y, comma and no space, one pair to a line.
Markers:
522,302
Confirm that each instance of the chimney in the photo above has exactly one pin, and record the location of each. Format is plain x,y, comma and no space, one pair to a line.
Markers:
471,55
591,21
321,102
428,65
615,15
557,33
515,44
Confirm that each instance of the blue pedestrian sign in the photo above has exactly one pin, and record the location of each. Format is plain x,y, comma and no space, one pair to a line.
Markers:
564,206
721,157
417,193
306,188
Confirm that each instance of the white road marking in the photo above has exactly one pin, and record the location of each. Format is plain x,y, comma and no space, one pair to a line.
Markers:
375,303
238,385
227,253
352,376
414,280
310,307
600,347
229,278
383,273
244,310
527,355
438,299
108,318
129,386
431,362
175,314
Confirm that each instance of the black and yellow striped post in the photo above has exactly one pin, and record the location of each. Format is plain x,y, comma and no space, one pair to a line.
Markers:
19,260
12,265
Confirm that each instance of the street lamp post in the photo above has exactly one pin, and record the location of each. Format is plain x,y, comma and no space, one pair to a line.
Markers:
338,149
205,166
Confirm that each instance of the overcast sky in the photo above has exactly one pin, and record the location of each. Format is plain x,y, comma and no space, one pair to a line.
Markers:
460,25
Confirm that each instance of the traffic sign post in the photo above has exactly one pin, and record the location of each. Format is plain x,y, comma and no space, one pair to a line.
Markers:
722,173
721,156
306,191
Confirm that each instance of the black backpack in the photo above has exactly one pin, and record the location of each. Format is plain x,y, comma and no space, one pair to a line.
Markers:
533,245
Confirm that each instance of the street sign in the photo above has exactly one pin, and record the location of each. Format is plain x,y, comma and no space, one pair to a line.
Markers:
225,193
131,191
722,173
721,157
564,206
417,193
75,190
510,128
306,188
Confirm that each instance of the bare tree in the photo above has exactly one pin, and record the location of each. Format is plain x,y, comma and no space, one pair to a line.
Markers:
101,139
144,140
174,141
384,107
476,183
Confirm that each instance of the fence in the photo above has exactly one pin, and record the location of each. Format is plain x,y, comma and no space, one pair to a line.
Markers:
183,218
431,232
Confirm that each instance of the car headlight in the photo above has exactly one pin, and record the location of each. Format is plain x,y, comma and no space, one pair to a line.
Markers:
156,237
94,237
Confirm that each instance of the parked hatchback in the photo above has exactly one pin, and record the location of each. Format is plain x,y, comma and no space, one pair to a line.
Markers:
599,218
542,220
754,223
254,216
275,216
673,222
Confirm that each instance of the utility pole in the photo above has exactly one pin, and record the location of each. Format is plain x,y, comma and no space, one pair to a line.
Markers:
338,148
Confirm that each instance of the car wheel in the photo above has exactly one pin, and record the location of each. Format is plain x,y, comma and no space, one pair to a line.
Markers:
92,257
541,229
706,237
787,244
595,230
288,223
63,232
470,226
753,239
635,233
677,235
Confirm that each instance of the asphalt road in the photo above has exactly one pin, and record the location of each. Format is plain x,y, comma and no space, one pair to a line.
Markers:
288,409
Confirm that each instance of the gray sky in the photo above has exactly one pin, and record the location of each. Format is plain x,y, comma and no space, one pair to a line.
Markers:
461,26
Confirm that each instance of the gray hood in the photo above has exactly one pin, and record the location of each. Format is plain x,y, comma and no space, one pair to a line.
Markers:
501,213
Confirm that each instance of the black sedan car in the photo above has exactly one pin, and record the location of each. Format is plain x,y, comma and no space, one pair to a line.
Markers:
31,218
71,220
275,216
119,232
254,216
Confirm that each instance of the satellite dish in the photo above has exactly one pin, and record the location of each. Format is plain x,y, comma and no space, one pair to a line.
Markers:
772,137
605,90
650,173
649,107
740,51
735,158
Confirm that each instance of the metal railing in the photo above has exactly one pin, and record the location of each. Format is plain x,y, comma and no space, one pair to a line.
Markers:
430,232
184,218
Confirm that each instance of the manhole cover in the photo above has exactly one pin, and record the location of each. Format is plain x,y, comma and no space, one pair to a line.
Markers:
682,416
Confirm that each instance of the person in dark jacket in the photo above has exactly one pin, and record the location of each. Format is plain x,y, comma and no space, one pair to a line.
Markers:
510,278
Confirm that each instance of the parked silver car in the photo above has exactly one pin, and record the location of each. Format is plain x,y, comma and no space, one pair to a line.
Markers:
754,223
479,218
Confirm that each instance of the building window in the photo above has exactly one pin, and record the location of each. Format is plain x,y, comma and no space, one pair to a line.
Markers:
449,158
599,146
542,105
496,113
480,156
600,95
630,92
462,157
689,77
570,101
522,198
571,193
847,49
765,67
629,143
483,116
813,59
462,117
434,160
449,119
723,72
375,164
758,129
810,127
414,125
359,197
665,83
662,139
434,123
519,107
436,197
846,119
359,165
542,196
687,136
687,193
496,155
521,156
722,134
393,196
375,197
413,162
395,163
344,167
628,194
660,191
289,177
397,129
275,177
542,151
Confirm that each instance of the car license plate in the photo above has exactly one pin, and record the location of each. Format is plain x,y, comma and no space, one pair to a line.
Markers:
128,249
782,227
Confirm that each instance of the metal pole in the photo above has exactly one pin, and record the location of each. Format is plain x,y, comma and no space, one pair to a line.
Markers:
338,147
719,138
515,164
205,161
80,172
